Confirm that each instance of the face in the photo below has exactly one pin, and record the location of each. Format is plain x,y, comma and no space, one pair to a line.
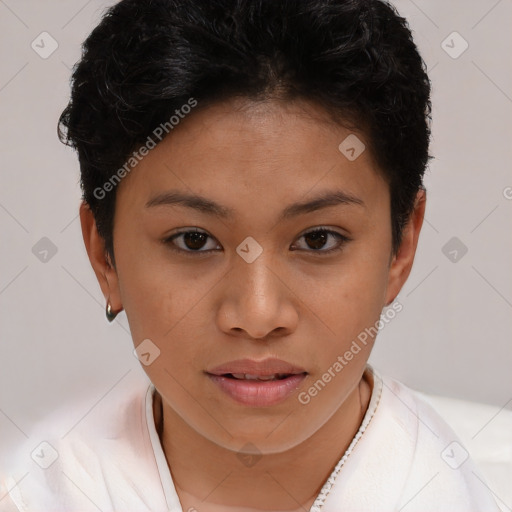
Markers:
258,265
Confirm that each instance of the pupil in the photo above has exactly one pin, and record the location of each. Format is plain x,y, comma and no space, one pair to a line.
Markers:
318,238
196,239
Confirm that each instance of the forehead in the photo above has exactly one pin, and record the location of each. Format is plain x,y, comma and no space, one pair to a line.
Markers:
247,128
241,148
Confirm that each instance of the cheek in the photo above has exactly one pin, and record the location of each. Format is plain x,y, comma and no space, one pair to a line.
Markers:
151,292
352,296
168,304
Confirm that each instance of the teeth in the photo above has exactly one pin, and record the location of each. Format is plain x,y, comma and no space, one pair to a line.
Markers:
248,376
262,377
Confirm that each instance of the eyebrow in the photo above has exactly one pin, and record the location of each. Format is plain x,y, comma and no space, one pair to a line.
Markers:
204,205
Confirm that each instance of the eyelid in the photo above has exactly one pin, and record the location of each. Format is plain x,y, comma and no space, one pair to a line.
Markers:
168,241
327,229
343,239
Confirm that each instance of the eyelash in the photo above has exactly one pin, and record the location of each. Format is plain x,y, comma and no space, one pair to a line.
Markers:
341,238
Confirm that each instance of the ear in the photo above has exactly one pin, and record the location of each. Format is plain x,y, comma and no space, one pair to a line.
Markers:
401,264
101,264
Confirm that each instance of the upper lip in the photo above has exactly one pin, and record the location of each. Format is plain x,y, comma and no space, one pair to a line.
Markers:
264,368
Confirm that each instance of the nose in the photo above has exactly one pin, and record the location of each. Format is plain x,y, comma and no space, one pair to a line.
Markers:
257,301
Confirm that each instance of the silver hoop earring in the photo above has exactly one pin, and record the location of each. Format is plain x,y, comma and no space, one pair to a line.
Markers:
109,312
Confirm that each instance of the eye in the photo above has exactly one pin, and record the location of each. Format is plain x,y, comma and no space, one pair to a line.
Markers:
192,240
317,239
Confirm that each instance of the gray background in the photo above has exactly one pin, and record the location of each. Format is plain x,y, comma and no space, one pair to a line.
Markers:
453,336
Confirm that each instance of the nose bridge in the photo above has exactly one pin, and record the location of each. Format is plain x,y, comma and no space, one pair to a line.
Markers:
256,300
253,270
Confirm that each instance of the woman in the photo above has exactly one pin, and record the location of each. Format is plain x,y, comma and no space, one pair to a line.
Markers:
252,198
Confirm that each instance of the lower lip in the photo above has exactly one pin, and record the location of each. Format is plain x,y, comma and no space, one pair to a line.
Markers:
258,393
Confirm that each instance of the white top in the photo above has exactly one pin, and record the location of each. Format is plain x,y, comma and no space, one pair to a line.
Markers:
404,457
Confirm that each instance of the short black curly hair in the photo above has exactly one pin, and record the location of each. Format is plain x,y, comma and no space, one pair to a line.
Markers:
147,58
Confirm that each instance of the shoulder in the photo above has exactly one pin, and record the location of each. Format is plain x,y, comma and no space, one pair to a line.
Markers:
72,455
441,469
408,458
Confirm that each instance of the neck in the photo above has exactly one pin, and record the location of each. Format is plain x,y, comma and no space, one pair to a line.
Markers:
205,473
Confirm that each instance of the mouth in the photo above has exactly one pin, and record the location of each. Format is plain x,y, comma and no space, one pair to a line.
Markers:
258,383
266,369
263,378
